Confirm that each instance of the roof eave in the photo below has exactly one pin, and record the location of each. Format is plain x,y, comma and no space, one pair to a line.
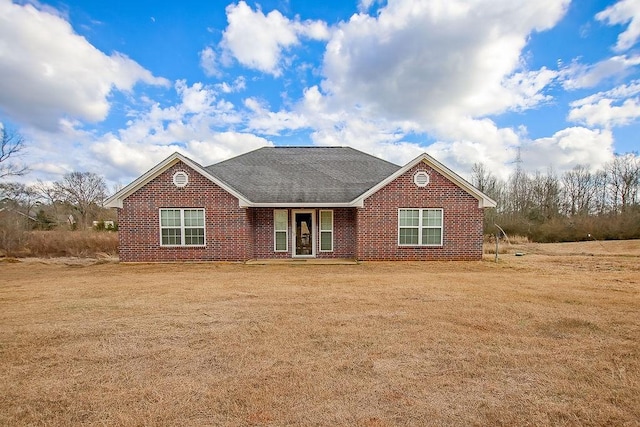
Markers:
300,205
484,201
116,201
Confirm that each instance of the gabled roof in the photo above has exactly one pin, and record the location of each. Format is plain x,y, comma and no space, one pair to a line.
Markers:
484,201
116,200
300,177
303,175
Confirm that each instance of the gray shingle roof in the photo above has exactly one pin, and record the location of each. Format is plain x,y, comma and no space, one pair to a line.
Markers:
302,174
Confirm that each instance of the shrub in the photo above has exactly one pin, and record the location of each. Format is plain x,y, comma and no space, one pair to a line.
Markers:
59,243
13,234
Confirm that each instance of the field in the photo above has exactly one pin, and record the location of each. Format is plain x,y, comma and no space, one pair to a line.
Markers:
548,338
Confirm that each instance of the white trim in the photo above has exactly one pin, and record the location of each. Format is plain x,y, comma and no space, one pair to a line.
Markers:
183,227
301,205
286,231
294,212
320,230
116,200
484,201
420,227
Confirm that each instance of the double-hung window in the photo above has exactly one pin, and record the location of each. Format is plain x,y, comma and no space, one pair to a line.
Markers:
280,230
326,231
420,227
182,227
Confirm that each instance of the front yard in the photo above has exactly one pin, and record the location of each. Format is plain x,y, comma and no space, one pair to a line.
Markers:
550,338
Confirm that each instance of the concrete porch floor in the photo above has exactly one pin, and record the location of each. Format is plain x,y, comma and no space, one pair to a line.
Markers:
306,261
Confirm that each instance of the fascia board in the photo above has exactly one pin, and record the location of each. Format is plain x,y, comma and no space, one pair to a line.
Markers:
117,199
302,205
359,201
484,201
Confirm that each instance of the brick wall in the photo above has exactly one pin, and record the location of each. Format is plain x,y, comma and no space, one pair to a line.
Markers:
227,226
344,234
237,234
378,221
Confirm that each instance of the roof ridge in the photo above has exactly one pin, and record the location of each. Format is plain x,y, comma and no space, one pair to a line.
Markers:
309,146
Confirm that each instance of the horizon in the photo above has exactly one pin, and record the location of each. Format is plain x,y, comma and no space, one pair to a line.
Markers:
115,88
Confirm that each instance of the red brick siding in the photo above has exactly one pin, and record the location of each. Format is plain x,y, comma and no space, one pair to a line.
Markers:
227,226
238,234
263,245
378,220
344,234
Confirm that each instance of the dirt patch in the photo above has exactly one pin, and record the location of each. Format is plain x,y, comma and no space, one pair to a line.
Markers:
549,338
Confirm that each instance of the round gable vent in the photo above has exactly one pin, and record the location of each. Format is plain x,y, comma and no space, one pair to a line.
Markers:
421,179
180,179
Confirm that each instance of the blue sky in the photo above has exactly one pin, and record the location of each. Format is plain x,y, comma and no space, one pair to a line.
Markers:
115,87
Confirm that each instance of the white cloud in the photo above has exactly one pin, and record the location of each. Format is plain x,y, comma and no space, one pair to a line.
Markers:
465,141
209,62
619,92
420,60
268,122
604,114
578,76
199,125
224,145
568,148
130,159
257,40
238,84
624,11
616,107
364,5
195,98
49,72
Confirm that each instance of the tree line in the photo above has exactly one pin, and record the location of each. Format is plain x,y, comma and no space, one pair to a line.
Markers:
75,200
579,204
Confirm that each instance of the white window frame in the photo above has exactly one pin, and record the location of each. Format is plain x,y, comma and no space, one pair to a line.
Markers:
421,226
183,227
285,231
321,230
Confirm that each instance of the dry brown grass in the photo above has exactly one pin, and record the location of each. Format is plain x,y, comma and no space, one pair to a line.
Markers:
550,338
57,243
65,243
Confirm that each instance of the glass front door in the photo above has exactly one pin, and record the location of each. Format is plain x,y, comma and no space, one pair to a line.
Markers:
304,236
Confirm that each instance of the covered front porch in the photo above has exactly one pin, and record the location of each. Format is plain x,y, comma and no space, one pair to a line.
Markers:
303,233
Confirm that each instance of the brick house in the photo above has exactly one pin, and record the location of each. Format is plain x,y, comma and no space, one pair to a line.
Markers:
300,202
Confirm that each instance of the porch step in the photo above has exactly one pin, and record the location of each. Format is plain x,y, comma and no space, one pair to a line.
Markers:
306,261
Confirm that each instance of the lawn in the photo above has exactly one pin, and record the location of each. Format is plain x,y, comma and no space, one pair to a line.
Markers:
548,338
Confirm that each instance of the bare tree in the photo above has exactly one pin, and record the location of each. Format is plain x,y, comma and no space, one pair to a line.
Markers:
85,191
484,180
11,145
624,180
545,196
579,191
52,198
22,197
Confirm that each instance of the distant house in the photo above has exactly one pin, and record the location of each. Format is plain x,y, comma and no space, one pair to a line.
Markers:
300,202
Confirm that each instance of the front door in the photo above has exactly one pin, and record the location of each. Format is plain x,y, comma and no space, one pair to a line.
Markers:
304,235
